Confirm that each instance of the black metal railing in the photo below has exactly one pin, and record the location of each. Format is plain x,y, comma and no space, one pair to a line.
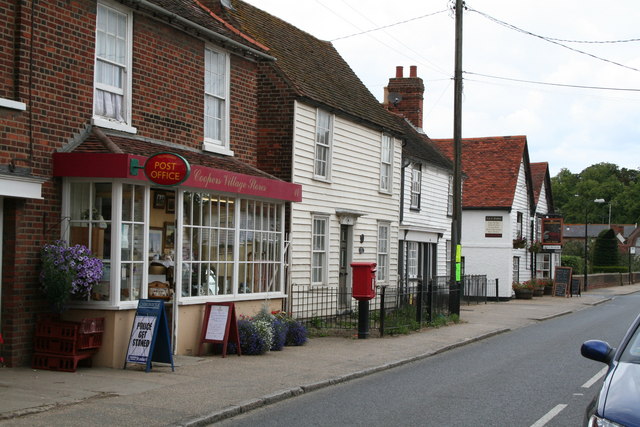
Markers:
393,310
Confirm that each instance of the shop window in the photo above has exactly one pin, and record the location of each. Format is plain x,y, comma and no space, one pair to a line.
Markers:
90,224
260,251
132,256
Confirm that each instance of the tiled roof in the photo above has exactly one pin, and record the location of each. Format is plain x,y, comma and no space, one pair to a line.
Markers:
539,173
491,166
314,68
198,13
419,146
114,142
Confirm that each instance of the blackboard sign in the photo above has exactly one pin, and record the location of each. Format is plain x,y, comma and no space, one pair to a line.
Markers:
575,287
149,339
561,281
219,325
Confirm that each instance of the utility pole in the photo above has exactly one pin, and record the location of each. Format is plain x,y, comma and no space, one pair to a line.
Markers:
456,223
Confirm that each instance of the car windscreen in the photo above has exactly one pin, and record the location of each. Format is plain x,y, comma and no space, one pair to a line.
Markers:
631,353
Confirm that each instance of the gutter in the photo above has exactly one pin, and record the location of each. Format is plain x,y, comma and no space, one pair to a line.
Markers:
209,33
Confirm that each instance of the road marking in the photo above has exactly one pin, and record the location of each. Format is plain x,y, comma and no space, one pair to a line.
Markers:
595,378
549,415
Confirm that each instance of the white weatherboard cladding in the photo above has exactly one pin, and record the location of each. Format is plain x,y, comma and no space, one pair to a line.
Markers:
493,256
432,216
353,186
542,207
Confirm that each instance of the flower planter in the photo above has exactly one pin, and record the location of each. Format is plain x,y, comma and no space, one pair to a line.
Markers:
523,293
538,292
548,290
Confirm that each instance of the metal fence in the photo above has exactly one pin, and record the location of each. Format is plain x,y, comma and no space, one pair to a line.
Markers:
393,310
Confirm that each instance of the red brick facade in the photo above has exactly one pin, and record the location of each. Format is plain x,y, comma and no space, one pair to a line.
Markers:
53,77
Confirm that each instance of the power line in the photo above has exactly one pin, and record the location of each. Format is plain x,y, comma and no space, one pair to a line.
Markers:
389,26
553,84
547,39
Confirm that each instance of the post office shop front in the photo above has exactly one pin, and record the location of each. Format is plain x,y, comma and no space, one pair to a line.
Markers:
216,237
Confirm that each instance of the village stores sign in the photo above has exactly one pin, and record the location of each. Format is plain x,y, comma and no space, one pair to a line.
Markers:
166,169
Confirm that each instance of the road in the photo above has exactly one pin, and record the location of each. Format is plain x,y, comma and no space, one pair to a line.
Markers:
532,376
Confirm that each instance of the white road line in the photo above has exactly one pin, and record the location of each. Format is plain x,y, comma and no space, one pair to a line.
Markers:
595,378
549,415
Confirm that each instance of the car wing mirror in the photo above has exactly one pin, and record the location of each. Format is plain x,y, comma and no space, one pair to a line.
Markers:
597,350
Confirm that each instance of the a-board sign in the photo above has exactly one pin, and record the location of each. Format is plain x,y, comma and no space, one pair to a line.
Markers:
220,325
575,287
561,281
149,341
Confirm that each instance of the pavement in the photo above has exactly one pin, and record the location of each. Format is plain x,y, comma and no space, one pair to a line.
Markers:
204,390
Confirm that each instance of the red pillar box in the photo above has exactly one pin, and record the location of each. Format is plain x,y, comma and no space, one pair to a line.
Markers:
364,280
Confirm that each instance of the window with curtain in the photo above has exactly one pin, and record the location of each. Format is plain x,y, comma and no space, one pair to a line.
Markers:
112,74
322,161
216,87
90,224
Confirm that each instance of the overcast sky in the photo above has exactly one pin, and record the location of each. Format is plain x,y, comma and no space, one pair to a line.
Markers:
568,127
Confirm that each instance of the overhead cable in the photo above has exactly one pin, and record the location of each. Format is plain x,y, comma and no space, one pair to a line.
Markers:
513,27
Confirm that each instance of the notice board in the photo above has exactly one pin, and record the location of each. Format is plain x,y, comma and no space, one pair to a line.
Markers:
149,340
562,281
219,325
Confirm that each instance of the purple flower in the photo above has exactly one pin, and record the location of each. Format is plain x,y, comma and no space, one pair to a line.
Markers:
68,271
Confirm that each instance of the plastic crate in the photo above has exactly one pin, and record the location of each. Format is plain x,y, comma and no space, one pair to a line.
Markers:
91,325
57,362
55,345
59,330
86,341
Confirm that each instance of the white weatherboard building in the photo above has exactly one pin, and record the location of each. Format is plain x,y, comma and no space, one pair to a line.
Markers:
497,210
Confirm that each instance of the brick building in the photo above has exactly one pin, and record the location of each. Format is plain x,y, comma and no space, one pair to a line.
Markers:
88,90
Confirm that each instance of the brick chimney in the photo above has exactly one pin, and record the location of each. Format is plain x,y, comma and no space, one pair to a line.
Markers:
404,95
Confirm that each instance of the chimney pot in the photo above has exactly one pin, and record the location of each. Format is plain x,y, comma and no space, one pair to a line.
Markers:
399,72
413,71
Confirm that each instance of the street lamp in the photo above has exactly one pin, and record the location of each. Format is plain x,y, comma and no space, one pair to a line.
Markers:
586,241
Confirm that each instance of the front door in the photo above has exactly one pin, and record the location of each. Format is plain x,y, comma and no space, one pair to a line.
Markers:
344,292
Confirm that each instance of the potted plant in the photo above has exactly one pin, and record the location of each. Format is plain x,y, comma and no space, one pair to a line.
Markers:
537,286
519,242
548,286
522,290
535,247
68,272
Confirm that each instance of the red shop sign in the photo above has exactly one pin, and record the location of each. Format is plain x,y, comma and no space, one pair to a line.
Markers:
167,169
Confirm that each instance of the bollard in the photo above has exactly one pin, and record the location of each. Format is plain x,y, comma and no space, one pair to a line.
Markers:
497,296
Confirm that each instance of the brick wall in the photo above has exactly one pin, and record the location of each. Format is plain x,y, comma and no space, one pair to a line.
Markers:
54,78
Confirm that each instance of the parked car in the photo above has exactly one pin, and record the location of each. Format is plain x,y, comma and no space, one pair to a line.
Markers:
618,402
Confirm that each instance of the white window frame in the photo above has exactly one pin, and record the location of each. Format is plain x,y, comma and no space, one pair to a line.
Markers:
219,146
323,145
383,251
319,255
416,185
386,163
103,121
450,197
413,251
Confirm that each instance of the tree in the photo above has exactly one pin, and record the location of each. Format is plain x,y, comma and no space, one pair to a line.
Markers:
573,194
605,251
